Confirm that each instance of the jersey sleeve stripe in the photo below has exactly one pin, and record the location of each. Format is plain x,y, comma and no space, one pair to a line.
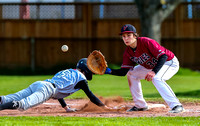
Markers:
160,54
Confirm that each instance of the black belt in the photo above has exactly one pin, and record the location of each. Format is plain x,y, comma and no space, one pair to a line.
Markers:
53,85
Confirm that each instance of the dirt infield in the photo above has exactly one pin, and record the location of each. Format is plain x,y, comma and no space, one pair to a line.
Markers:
88,109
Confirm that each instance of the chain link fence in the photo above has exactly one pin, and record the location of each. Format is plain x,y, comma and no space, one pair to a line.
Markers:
119,11
54,11
40,11
191,10
67,10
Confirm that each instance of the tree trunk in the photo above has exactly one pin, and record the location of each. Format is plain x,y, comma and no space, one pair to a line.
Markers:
151,27
152,14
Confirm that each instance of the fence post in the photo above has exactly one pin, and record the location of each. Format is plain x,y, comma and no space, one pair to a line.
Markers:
87,19
1,12
32,54
87,25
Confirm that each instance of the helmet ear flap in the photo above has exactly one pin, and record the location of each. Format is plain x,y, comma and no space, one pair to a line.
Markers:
82,65
88,75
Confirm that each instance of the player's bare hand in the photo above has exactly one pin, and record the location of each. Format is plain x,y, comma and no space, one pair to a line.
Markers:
150,76
119,107
105,107
68,109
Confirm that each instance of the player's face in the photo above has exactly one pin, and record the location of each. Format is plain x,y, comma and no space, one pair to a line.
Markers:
129,39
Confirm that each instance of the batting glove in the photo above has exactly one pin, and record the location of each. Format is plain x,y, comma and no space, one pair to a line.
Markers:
108,71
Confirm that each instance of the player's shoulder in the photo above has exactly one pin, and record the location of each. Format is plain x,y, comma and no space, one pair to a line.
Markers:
74,72
67,71
127,49
144,39
79,75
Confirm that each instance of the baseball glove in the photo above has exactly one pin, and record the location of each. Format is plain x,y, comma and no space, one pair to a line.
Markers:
96,62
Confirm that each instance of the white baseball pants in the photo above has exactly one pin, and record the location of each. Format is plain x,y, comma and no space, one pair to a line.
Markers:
139,72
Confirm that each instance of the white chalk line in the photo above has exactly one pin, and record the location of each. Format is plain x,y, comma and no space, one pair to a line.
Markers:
47,103
191,110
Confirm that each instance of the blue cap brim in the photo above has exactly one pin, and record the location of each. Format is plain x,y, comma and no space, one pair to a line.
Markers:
125,32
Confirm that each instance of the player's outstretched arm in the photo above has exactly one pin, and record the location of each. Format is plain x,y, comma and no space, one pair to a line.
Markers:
65,106
108,71
117,72
84,86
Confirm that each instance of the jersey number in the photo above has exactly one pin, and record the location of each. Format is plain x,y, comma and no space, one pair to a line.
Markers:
152,63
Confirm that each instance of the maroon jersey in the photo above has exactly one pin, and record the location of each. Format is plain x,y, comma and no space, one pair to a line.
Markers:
146,54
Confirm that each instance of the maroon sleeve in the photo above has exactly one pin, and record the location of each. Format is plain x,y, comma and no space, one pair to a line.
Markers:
156,49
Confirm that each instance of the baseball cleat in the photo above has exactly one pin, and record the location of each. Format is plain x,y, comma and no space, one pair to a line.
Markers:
134,108
9,105
177,109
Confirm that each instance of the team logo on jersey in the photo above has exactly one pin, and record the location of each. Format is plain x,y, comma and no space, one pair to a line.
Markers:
152,63
140,60
125,27
145,59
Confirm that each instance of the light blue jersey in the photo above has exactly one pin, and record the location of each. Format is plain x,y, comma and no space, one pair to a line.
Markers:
41,91
65,81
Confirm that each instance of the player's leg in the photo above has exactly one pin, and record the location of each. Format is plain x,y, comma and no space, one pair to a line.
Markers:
134,76
11,101
43,91
169,69
16,96
9,105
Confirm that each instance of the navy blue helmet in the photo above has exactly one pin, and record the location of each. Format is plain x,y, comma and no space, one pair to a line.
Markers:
82,65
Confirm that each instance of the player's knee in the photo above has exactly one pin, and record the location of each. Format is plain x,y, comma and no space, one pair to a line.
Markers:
156,79
131,75
129,72
132,79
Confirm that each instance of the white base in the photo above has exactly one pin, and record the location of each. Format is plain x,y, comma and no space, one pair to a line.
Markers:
156,106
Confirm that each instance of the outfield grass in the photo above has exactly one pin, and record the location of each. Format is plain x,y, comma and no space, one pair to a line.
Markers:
186,85
85,121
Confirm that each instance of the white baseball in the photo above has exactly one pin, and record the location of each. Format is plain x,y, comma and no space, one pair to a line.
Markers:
64,48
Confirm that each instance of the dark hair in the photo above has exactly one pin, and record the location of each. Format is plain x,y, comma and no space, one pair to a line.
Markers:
136,34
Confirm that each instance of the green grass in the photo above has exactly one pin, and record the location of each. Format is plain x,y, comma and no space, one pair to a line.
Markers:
93,121
12,84
185,85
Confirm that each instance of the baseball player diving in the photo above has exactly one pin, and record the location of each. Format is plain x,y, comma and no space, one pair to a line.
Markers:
144,58
63,84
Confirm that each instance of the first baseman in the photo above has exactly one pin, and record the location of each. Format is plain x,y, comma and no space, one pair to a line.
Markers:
144,58
63,84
